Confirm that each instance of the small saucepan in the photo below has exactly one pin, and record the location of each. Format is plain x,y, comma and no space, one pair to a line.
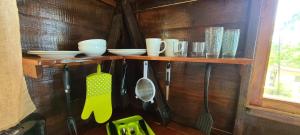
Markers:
145,89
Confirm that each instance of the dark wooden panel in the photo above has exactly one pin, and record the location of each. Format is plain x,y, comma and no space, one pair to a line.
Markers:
59,25
188,22
48,95
203,13
186,93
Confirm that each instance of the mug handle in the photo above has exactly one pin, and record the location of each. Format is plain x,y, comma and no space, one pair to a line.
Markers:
164,46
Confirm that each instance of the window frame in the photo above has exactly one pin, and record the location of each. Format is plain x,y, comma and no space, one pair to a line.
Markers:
260,64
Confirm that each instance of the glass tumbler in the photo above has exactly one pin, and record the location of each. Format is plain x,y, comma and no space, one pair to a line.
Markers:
230,43
213,40
181,49
198,49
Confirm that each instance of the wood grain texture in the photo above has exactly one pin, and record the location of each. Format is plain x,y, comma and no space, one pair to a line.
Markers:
32,65
274,115
263,126
131,25
37,61
246,72
154,4
238,61
188,22
262,52
109,2
31,68
59,25
186,93
284,106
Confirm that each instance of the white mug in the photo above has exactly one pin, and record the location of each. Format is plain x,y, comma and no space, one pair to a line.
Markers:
153,46
170,44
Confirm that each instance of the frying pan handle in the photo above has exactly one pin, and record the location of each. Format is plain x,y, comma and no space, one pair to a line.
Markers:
145,69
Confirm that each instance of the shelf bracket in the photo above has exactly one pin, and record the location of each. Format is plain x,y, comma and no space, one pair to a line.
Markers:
32,68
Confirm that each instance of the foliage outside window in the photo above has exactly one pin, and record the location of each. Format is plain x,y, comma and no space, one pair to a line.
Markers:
283,75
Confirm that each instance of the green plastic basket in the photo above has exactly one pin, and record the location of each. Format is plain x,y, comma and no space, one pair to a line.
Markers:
129,123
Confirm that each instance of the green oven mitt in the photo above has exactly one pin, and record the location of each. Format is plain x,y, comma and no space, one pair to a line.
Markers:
98,96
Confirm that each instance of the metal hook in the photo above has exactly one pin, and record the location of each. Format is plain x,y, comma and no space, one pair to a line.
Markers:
111,66
169,64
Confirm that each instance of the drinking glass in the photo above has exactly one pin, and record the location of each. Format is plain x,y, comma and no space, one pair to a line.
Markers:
230,43
181,49
198,49
170,43
213,40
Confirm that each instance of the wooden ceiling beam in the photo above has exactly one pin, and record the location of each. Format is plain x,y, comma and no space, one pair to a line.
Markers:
109,2
154,4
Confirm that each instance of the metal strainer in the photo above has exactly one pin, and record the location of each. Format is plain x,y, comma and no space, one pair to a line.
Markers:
145,89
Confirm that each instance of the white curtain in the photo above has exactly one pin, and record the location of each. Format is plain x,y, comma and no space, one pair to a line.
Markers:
15,102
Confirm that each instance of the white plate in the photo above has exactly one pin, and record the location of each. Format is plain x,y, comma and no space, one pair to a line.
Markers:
55,54
127,52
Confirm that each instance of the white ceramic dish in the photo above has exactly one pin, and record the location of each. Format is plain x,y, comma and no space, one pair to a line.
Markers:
127,52
55,54
92,47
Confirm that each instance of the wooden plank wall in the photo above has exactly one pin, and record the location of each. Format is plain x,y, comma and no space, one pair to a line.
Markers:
260,126
187,22
59,25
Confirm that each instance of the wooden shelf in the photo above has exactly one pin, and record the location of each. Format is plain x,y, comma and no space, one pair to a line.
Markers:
239,61
73,61
32,65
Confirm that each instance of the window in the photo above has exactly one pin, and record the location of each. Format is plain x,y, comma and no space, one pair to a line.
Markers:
284,59
274,84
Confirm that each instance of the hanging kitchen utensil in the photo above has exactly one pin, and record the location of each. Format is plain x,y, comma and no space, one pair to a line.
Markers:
145,89
70,119
168,80
123,91
205,121
98,96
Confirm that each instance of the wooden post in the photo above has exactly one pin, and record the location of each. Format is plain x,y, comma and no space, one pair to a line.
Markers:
116,27
245,72
132,25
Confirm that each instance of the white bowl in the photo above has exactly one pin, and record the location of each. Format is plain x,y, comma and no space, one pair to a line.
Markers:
92,47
